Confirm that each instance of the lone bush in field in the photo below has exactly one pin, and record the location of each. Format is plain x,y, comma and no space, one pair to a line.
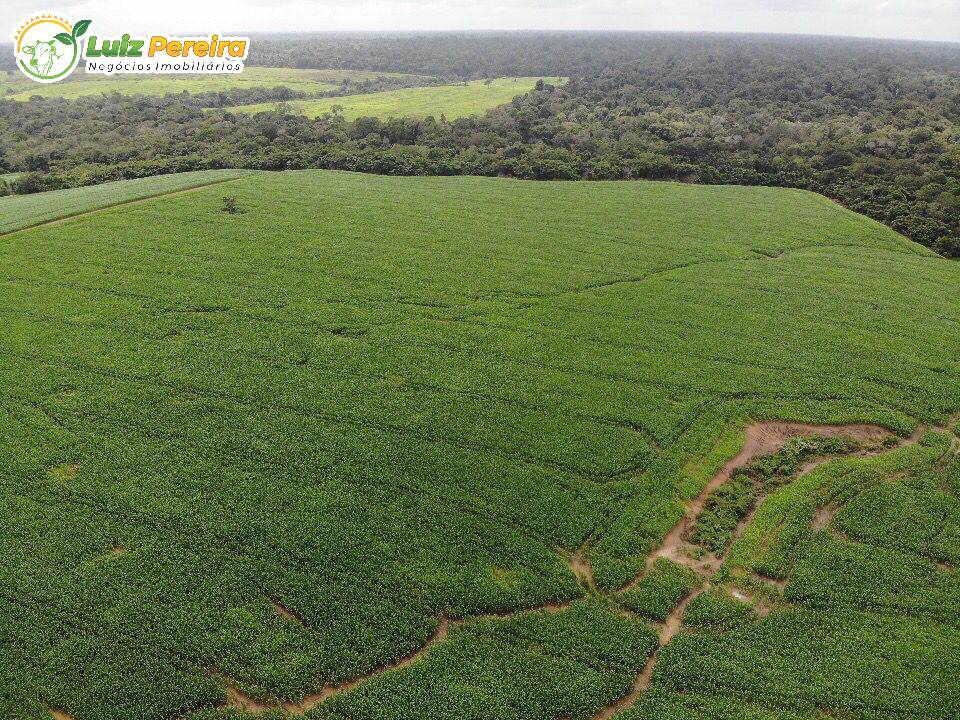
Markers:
231,206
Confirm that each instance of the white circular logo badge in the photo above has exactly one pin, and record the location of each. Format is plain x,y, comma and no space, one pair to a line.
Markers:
47,47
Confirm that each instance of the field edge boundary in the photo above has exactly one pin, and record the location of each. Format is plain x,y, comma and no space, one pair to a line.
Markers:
122,203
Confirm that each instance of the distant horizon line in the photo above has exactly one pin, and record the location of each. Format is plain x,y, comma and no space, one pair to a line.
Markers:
585,31
599,31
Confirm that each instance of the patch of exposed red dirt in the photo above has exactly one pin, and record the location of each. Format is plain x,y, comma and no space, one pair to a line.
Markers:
762,439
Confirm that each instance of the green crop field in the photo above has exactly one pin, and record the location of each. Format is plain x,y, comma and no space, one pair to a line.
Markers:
354,447
453,101
22,211
14,86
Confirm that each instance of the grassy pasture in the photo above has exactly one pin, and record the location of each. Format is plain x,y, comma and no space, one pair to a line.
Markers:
453,101
271,449
13,86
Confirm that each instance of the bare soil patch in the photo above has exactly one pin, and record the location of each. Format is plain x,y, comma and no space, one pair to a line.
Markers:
762,439
824,516
583,568
238,700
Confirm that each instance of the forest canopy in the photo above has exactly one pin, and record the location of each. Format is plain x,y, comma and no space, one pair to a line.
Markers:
874,125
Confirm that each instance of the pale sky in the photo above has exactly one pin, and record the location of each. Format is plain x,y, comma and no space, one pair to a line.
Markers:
913,19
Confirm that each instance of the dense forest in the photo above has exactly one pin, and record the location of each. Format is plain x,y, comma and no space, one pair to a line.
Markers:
874,125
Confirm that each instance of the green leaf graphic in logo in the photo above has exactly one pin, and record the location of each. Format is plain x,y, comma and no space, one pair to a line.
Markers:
64,38
80,28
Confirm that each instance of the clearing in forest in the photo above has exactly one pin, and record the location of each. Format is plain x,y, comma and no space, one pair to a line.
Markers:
451,101
13,86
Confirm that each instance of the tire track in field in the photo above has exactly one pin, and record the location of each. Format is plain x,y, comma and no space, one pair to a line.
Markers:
239,700
763,439
124,203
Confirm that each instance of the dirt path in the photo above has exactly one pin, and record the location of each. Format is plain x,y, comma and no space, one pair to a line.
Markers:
238,700
135,201
312,701
764,438
583,568
284,611
668,630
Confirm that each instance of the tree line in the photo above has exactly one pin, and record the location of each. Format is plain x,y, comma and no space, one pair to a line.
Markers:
874,125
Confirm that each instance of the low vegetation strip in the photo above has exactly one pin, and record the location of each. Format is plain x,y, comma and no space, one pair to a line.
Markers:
14,87
450,101
18,212
255,450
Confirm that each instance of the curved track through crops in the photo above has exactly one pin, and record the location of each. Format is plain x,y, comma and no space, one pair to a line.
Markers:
762,439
